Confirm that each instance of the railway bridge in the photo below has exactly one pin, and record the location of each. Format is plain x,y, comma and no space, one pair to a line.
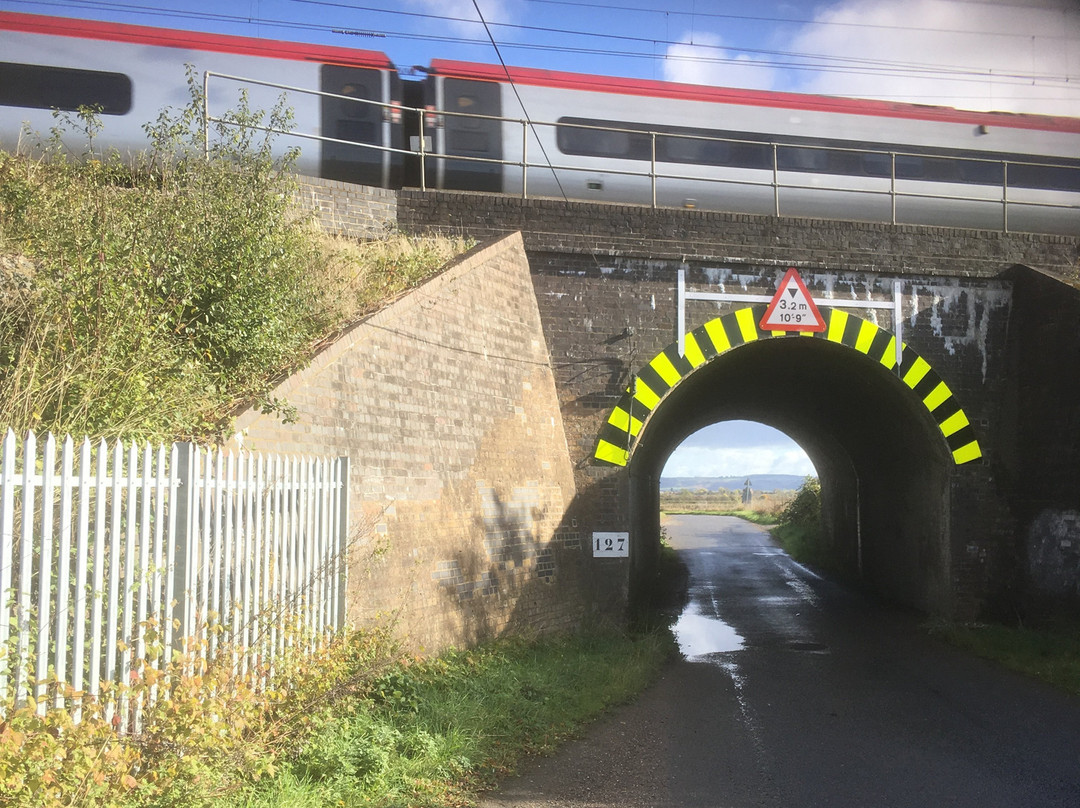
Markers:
949,468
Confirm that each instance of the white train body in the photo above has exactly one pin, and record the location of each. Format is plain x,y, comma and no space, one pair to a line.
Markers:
589,137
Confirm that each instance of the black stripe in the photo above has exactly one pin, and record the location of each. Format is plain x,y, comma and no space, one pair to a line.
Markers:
705,343
731,328
947,409
638,410
927,384
962,437
654,380
680,363
616,436
909,356
880,346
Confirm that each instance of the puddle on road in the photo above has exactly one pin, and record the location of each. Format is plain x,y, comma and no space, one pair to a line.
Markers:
699,635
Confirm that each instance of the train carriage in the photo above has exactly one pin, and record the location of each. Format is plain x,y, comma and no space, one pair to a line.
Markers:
132,72
587,137
756,152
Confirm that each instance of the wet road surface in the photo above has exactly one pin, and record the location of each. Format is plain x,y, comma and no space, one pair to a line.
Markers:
795,692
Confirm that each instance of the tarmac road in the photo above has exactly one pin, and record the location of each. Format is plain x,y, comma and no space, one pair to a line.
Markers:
794,692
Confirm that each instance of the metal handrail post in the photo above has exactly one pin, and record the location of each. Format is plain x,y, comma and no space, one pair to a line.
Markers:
892,184
423,166
524,159
652,167
206,114
1005,196
775,181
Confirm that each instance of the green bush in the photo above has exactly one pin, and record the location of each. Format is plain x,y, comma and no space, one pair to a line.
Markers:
152,296
799,529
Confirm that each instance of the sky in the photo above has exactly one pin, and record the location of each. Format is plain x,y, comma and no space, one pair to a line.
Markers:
1018,56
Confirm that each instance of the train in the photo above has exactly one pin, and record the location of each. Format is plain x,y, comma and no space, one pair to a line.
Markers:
523,131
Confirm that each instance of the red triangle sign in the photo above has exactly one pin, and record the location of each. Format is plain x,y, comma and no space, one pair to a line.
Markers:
792,308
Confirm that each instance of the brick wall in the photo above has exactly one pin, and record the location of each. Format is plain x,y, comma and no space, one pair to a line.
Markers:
356,211
1041,470
626,230
446,403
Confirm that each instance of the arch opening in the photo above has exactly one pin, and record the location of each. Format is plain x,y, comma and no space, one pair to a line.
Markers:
880,441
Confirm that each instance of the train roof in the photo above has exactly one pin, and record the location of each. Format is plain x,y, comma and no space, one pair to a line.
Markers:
763,98
192,40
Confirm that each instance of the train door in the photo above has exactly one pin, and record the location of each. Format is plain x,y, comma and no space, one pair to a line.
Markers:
466,134
376,129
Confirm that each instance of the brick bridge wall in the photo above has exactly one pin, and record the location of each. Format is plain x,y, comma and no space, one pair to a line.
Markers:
460,473
605,271
603,277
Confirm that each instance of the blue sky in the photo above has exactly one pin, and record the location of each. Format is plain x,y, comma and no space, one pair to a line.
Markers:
1020,56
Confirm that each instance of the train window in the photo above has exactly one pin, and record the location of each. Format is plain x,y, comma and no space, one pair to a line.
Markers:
593,142
796,158
43,87
356,109
679,149
1058,178
877,164
469,103
909,167
981,172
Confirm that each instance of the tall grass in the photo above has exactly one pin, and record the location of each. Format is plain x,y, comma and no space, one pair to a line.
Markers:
152,296
436,733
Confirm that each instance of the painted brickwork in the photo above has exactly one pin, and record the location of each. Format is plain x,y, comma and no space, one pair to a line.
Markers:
446,403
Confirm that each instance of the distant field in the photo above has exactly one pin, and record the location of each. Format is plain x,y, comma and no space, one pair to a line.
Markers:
758,482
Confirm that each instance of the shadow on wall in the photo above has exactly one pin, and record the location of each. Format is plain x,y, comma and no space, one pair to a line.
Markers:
515,581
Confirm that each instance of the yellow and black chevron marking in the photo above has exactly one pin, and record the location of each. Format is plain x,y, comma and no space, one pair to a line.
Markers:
718,336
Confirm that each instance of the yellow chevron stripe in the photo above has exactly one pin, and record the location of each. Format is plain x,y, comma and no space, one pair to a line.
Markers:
867,332
954,423
645,395
719,337
611,453
662,365
624,421
937,397
837,324
888,359
747,326
916,372
692,351
967,453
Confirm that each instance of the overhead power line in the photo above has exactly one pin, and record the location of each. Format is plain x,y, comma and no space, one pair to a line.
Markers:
795,20
778,60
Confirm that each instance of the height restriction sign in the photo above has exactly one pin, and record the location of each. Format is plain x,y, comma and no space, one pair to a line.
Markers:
792,308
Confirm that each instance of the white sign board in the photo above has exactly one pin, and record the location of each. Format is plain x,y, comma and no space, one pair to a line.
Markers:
610,545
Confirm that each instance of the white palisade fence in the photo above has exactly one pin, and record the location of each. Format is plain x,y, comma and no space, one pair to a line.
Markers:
111,555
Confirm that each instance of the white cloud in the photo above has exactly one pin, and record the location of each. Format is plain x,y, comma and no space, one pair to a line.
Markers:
981,55
707,61
703,461
462,13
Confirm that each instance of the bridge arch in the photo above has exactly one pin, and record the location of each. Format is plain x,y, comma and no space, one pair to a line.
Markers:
883,439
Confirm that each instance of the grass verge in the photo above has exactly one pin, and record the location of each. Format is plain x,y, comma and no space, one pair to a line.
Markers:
1051,654
436,733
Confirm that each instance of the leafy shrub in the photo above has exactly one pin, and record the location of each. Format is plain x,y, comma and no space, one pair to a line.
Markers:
799,528
167,289
214,734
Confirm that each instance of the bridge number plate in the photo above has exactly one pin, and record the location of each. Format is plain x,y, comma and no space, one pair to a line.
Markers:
610,545
792,308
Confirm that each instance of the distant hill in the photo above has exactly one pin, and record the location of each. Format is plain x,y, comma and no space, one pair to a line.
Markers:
758,482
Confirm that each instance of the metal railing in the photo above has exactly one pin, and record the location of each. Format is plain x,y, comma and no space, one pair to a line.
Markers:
655,175
106,551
